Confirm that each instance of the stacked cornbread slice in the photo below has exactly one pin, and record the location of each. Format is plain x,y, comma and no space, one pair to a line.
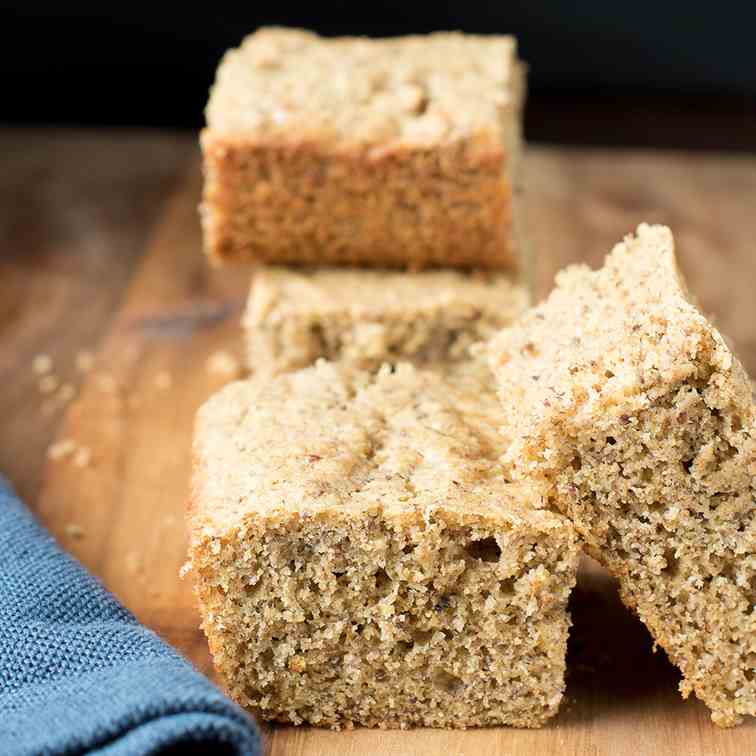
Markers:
384,153
344,154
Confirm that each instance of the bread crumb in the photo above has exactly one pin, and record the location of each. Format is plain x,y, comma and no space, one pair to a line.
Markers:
222,363
74,531
61,449
163,380
42,364
84,361
105,382
67,393
47,384
82,457
134,562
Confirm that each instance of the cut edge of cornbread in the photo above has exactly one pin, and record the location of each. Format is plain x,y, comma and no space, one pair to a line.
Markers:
633,417
367,317
368,565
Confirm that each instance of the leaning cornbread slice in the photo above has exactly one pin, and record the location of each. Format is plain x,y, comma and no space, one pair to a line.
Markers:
375,152
360,559
295,316
635,419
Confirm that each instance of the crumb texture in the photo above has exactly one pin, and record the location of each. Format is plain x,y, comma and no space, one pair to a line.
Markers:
368,317
397,152
360,559
634,418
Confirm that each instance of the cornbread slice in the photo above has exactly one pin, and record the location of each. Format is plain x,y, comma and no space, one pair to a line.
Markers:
361,560
393,152
636,420
368,317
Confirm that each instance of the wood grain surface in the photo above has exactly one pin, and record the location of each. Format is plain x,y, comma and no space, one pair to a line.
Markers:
156,313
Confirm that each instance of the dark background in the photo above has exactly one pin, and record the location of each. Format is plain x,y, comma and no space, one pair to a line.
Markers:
673,74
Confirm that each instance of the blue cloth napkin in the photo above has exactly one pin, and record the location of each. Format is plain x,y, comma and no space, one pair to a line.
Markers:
78,674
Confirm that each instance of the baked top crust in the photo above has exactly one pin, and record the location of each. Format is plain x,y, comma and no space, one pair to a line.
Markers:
333,439
289,85
608,339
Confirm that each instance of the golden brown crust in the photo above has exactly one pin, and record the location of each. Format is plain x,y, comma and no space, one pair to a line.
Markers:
292,86
334,437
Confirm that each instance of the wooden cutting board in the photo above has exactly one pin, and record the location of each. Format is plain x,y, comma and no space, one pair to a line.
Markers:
121,513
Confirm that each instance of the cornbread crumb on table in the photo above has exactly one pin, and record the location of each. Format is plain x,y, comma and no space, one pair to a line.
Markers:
295,316
82,457
48,384
67,393
61,449
631,414
84,361
72,530
223,363
360,559
68,448
393,152
42,364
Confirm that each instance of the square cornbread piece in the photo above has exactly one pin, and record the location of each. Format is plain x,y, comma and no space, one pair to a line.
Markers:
392,152
635,419
295,316
360,559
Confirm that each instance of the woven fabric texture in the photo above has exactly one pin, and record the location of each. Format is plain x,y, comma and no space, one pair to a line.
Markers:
78,673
